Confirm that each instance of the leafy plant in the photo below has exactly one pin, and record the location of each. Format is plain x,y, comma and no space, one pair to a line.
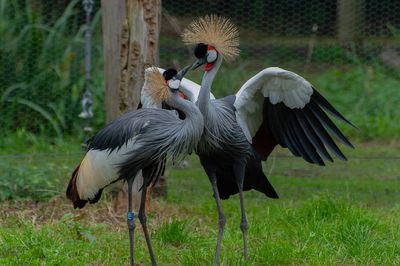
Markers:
41,69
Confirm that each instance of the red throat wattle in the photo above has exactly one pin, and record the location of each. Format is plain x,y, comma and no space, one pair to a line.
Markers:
208,67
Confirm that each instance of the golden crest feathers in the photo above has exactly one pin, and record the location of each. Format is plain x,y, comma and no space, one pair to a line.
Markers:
213,30
156,85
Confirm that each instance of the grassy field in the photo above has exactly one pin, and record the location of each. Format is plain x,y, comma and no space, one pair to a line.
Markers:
345,213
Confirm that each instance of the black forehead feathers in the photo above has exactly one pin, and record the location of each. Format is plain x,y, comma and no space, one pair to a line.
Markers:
169,73
200,50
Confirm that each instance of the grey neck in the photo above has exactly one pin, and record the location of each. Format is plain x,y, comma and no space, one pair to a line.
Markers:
187,107
205,90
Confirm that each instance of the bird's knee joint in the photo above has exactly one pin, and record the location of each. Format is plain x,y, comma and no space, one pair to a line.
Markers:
243,226
142,217
222,222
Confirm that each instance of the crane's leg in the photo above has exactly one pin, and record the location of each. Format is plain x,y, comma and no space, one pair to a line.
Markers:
239,168
131,221
143,221
210,169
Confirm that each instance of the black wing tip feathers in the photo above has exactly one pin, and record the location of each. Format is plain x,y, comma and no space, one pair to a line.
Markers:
307,132
329,107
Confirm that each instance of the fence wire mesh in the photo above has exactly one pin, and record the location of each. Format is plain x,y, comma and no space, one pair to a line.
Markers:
42,73
41,64
297,34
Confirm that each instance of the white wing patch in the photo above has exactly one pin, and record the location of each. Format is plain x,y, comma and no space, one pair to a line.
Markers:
99,168
278,85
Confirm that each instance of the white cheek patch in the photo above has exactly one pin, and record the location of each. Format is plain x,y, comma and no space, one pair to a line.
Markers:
174,84
211,56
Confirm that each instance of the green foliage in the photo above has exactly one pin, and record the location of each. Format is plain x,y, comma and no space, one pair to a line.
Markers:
174,232
41,72
40,176
25,143
367,95
25,178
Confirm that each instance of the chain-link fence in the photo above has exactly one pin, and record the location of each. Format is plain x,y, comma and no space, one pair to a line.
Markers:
42,72
298,34
42,76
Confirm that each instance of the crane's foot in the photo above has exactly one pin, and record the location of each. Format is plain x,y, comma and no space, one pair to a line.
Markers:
131,228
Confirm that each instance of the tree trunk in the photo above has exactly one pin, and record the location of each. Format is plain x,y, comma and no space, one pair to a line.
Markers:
130,43
350,18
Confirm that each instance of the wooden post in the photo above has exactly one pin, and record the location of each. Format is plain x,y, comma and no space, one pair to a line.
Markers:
350,18
130,43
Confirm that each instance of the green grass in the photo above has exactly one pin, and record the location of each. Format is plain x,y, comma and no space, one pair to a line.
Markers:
345,213
317,231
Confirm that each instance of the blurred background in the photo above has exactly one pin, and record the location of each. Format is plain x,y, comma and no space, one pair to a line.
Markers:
350,52
348,49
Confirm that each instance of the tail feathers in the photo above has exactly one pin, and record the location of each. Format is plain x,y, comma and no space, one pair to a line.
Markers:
73,195
262,184
254,179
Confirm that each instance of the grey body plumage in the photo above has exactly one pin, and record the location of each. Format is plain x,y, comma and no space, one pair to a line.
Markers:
165,135
221,131
160,131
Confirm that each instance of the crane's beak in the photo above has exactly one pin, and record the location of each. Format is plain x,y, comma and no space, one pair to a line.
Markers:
182,72
199,63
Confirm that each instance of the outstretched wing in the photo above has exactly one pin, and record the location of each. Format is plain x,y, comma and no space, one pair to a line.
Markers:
277,106
189,88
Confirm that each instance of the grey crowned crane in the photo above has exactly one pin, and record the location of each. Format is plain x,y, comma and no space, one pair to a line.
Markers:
275,107
138,140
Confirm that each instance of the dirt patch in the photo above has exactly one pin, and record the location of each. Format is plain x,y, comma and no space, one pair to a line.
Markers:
102,212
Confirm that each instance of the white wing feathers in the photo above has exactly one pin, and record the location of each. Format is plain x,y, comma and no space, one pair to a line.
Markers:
190,89
278,85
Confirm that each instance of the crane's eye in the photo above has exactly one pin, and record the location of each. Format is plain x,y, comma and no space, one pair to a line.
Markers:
212,55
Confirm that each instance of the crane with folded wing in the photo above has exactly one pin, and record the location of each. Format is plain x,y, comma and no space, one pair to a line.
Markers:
138,140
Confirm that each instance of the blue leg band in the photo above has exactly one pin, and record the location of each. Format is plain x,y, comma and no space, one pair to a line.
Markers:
131,216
